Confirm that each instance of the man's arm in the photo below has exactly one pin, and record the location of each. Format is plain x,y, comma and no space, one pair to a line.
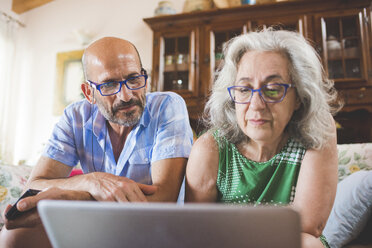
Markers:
100,185
171,148
167,175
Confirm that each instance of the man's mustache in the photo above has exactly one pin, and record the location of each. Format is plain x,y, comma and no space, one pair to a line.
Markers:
123,104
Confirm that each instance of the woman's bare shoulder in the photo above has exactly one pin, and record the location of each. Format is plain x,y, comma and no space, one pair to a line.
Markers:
206,141
202,170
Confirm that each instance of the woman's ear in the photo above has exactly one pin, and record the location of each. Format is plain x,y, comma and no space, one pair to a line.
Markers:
298,103
88,92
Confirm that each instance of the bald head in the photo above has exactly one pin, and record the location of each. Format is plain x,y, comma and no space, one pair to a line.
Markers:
106,52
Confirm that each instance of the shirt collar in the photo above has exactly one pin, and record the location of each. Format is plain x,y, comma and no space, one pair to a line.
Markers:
98,121
146,117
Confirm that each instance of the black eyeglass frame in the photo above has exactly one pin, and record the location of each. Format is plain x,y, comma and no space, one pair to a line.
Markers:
286,86
98,86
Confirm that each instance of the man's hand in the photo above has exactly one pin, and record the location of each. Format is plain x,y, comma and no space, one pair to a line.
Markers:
30,217
108,187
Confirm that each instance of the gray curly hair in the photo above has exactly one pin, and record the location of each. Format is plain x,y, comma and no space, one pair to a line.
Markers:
310,124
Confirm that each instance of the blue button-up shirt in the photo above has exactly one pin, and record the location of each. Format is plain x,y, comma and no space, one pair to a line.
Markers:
163,132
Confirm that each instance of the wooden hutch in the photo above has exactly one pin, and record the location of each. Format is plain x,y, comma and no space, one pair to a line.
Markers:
187,49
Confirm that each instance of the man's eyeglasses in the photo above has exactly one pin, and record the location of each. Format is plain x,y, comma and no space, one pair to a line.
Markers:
112,88
270,93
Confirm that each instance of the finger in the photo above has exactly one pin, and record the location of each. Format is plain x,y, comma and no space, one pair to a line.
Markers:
147,189
30,202
133,193
141,196
122,198
7,208
27,203
27,219
137,195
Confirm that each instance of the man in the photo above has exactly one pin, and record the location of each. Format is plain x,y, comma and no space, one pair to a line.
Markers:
131,146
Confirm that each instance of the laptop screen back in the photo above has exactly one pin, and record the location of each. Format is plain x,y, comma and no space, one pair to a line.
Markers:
109,224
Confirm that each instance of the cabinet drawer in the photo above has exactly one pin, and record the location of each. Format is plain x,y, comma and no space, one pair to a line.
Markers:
357,96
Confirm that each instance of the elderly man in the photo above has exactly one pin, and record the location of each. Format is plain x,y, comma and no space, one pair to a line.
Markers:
132,146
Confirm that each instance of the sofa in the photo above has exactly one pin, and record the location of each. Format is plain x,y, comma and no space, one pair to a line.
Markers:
350,225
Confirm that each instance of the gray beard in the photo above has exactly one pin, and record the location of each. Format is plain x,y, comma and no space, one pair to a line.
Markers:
129,120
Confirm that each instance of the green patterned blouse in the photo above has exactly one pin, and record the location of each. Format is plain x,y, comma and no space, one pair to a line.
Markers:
241,180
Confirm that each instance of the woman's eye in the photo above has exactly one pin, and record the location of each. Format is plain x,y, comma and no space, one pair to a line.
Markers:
243,90
271,93
272,86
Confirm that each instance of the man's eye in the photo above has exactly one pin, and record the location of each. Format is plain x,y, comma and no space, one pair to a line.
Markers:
134,80
110,85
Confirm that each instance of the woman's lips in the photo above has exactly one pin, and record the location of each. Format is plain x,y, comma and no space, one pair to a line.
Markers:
257,122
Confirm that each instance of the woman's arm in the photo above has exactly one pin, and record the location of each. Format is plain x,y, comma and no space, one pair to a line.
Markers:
201,170
316,187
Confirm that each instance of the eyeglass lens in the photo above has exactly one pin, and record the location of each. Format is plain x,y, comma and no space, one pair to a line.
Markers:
270,93
114,87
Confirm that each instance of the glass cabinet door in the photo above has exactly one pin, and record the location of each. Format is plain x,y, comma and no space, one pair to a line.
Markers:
343,46
176,63
218,40
216,36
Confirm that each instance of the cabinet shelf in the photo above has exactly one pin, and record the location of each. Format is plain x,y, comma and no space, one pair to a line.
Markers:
169,68
336,58
177,67
347,53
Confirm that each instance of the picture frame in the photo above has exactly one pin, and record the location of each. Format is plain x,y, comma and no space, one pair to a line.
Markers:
69,76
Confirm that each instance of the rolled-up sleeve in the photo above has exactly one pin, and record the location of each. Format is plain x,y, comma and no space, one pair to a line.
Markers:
61,145
174,136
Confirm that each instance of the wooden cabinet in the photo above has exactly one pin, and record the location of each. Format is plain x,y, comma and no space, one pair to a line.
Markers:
187,49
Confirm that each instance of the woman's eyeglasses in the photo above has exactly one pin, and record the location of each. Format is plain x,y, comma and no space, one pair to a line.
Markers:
270,93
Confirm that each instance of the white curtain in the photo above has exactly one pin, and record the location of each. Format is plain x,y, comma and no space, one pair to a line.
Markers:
8,87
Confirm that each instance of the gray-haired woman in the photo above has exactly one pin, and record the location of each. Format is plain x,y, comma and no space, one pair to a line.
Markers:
271,138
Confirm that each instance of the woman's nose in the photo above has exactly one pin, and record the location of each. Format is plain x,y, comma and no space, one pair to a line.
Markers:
256,101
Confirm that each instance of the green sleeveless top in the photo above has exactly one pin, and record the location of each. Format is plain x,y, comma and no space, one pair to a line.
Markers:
241,180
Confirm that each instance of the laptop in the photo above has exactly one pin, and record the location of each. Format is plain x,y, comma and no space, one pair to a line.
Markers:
89,224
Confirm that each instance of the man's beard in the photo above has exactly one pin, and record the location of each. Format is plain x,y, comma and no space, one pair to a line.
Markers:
127,119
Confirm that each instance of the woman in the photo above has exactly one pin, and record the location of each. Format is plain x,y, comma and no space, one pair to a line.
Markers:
271,138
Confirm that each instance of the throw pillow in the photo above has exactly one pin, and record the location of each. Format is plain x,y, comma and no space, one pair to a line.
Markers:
353,158
12,181
351,210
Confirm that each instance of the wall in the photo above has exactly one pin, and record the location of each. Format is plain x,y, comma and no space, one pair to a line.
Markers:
49,30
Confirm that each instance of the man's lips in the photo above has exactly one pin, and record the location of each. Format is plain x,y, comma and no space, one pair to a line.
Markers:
125,108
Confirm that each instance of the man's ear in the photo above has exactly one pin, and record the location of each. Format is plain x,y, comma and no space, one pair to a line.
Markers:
88,92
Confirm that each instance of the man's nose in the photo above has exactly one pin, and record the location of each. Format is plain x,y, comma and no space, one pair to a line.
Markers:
125,94
256,101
